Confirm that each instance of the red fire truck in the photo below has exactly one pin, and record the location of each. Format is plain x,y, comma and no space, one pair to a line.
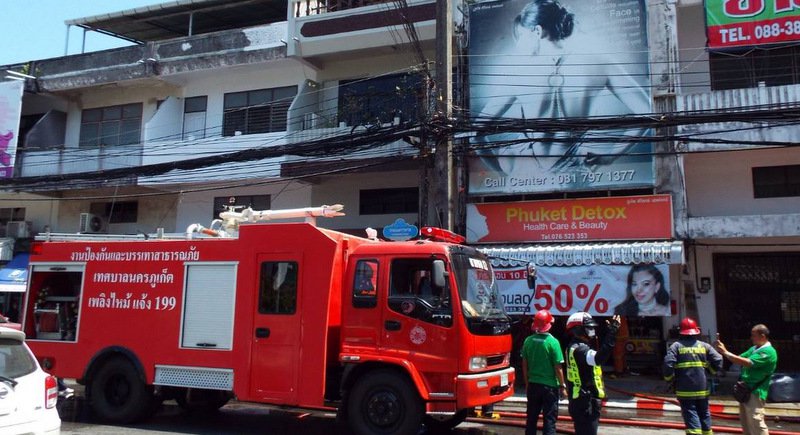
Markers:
393,334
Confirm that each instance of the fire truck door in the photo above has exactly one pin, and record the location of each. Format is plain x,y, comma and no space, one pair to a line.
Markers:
418,321
276,329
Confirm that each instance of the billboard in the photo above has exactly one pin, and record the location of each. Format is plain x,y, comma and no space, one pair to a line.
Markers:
567,60
10,112
735,23
571,220
600,290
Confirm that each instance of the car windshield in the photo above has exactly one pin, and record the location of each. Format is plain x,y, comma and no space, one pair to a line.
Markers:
480,299
15,360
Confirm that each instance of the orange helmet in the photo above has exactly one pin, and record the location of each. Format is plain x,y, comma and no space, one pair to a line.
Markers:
689,327
542,321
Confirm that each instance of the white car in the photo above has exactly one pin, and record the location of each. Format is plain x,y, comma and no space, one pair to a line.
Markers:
28,395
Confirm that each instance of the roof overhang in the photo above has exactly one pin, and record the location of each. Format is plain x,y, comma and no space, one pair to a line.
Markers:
180,18
666,252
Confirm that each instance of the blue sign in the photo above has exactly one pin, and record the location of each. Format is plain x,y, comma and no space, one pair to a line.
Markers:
400,231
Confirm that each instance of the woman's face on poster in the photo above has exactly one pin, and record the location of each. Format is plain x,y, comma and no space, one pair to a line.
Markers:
529,40
644,287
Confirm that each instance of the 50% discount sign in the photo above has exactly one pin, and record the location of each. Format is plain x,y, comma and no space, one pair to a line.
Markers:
564,298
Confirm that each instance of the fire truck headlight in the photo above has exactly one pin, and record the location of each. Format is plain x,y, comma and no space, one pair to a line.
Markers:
477,363
507,359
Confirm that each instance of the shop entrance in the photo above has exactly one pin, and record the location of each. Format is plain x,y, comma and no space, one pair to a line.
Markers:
760,288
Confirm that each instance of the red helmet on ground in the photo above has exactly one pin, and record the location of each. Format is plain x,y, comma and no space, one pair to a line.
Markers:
542,321
689,327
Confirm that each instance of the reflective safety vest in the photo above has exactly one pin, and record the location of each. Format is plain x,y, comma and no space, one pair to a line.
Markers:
686,363
574,375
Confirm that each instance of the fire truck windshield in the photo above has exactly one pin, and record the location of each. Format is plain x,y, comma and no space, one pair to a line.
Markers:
480,299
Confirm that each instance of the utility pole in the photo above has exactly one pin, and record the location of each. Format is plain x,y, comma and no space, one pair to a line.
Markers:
443,177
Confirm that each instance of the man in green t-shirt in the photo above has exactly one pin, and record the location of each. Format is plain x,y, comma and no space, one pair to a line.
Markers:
758,364
541,367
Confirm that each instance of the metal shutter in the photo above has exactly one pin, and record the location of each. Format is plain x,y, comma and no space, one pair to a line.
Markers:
209,306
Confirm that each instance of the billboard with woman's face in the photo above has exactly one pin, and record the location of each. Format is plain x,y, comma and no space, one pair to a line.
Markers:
558,60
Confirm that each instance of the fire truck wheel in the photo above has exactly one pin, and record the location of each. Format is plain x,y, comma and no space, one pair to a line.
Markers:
384,402
117,394
436,425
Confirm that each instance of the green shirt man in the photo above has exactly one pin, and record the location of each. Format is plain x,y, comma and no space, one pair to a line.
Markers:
542,354
765,360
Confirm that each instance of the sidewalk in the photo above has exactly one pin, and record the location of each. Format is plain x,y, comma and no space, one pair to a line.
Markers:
653,394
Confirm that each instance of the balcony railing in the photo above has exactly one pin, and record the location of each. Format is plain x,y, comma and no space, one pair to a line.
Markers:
739,100
773,97
57,161
304,8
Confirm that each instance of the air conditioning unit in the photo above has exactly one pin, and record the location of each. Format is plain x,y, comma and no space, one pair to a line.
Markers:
18,229
91,223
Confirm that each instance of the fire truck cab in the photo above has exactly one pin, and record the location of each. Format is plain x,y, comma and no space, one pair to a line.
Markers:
393,334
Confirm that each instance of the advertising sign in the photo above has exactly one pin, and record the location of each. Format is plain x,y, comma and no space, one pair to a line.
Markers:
571,220
558,60
600,290
10,112
736,23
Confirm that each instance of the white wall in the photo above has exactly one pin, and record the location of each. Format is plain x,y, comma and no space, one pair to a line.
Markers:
111,95
153,212
694,71
197,207
721,184
275,74
345,190
40,211
704,267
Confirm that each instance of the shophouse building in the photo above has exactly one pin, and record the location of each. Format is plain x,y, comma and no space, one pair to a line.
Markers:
292,85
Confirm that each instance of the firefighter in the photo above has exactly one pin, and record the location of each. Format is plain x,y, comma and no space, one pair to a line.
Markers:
686,364
584,376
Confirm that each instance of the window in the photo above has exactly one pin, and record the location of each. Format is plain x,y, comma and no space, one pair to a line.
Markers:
413,294
256,202
111,126
194,117
379,100
278,289
389,201
747,68
260,111
12,214
365,284
125,212
776,181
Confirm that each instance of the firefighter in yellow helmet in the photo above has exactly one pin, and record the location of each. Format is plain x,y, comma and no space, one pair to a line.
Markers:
584,376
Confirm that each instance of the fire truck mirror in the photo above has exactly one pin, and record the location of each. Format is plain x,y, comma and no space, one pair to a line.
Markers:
439,273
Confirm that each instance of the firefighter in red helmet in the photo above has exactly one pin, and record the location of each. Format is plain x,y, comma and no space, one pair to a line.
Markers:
544,377
584,376
687,363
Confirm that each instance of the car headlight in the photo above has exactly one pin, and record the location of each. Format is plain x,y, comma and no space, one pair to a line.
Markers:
477,363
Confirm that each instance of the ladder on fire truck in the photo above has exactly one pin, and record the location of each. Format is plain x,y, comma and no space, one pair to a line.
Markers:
225,227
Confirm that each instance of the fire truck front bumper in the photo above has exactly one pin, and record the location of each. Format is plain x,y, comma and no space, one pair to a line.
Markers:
484,388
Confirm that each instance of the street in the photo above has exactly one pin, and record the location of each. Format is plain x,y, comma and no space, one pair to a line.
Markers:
240,418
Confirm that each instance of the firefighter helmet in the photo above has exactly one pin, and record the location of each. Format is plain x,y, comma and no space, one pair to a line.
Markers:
581,323
689,327
542,321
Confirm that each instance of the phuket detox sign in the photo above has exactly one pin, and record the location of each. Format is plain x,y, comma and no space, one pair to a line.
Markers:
616,218
738,23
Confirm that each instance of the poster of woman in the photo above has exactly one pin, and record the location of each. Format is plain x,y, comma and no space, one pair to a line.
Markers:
549,59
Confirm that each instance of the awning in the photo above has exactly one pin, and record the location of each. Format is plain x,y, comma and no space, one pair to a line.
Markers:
14,275
669,252
179,18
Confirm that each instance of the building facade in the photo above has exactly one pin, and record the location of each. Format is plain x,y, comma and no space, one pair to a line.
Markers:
276,104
